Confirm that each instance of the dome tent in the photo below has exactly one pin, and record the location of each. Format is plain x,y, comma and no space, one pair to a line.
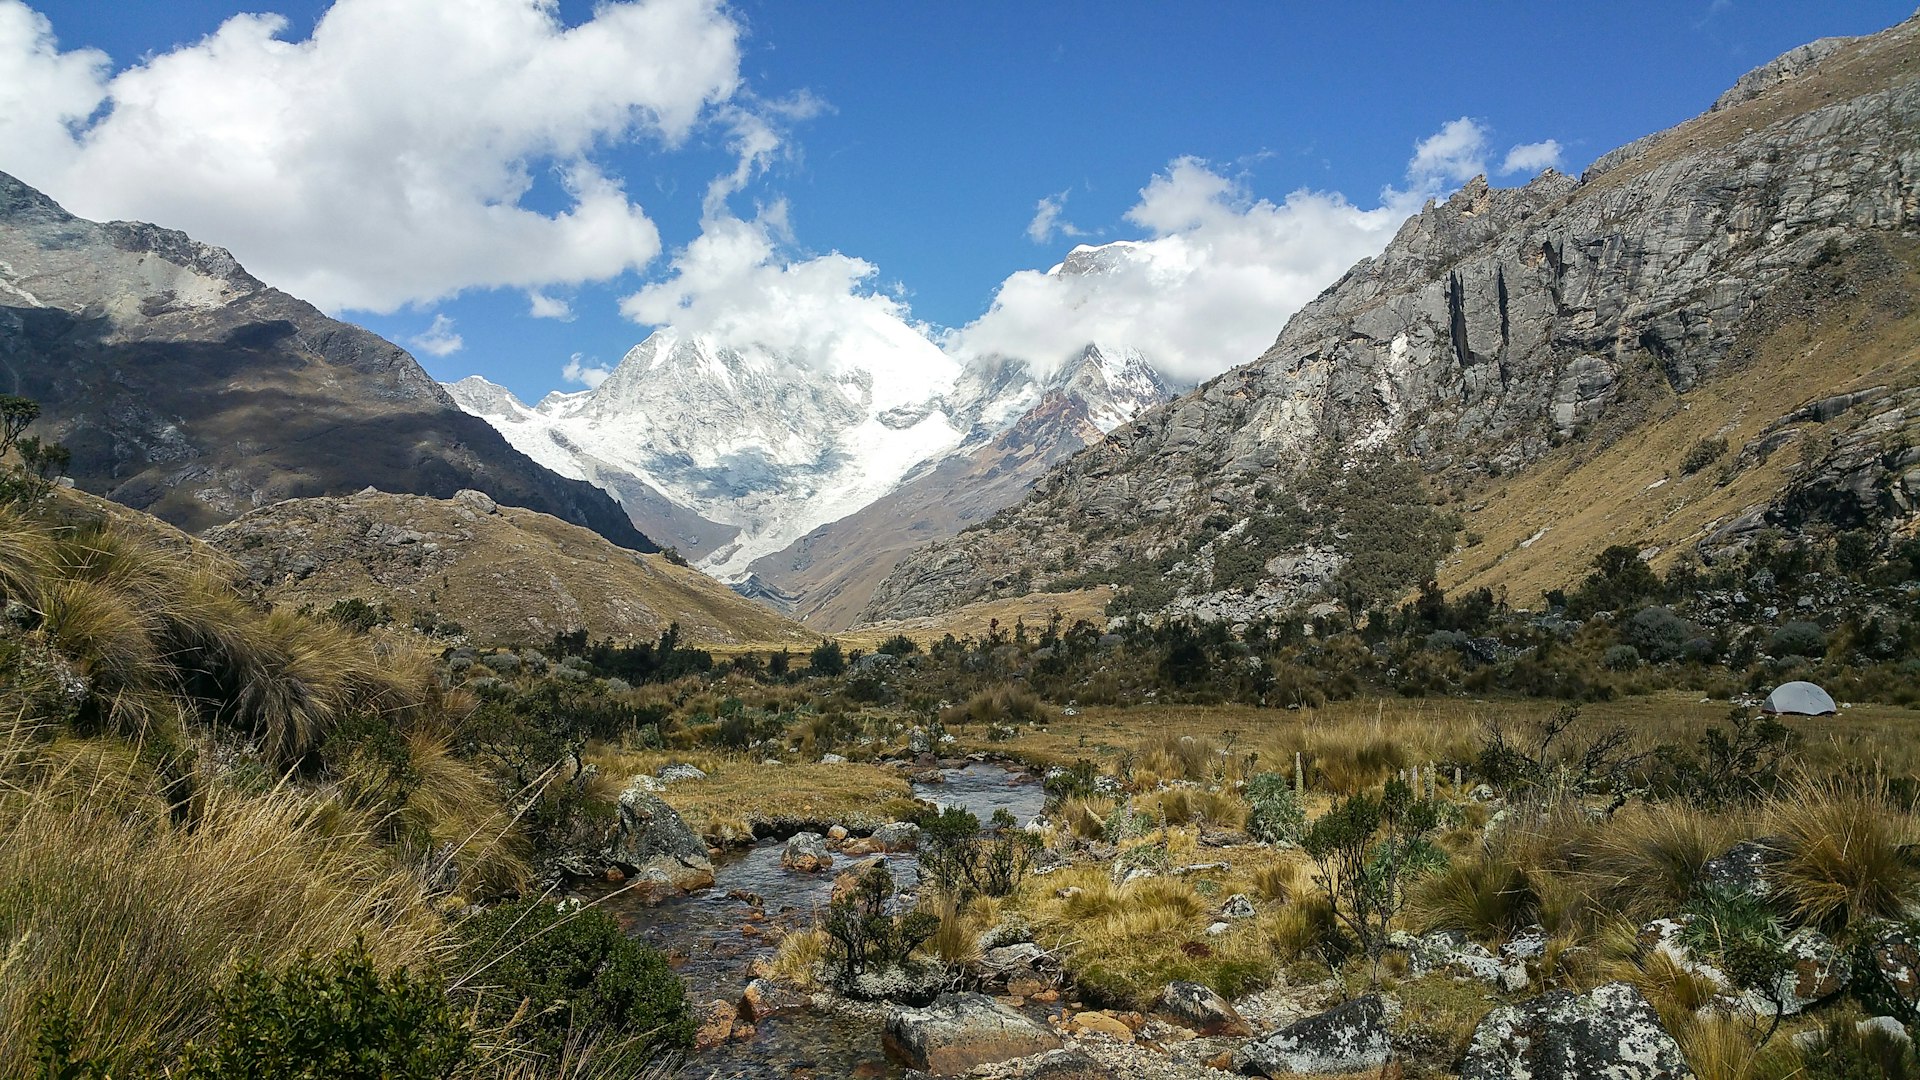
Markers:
1800,698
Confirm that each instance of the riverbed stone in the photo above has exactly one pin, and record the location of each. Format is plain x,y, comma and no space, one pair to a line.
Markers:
806,852
1199,1007
656,849
763,998
897,836
1609,1031
960,1031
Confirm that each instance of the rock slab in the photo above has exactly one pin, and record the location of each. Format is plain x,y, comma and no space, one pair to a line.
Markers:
1347,1039
960,1031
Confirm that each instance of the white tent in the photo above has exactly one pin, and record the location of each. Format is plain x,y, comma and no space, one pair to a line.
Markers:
1799,698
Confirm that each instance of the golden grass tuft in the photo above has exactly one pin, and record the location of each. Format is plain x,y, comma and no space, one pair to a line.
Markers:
1644,862
1847,853
1485,895
130,921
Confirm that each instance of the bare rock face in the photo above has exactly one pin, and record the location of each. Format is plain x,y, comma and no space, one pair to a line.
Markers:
960,1031
186,387
1495,326
1609,1031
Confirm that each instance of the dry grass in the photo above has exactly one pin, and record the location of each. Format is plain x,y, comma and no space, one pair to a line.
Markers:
1847,853
1484,895
740,795
131,921
1644,862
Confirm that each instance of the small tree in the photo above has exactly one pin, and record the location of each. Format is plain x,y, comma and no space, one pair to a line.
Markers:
957,856
864,935
1365,850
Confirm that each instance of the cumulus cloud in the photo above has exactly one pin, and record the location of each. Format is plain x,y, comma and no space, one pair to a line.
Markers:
542,306
1532,158
1210,286
438,339
736,284
1047,222
387,159
587,373
1453,155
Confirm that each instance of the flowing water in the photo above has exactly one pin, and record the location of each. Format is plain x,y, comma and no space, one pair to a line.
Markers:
713,940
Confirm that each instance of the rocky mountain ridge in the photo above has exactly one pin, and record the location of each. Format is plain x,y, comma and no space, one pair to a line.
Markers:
731,454
1499,329
186,387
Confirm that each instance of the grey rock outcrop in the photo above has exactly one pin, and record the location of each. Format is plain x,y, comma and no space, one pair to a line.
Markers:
656,849
1200,1007
960,1031
1349,1038
1609,1031
1496,325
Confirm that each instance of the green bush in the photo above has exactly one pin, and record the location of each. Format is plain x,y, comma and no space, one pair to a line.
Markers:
827,659
539,974
1798,639
1620,658
1273,813
337,1019
1658,633
1702,454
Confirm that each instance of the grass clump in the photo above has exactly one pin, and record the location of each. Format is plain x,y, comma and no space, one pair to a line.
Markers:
1847,854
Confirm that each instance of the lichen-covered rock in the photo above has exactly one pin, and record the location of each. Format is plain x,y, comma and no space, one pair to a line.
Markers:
678,771
1610,1031
897,836
806,852
1895,953
1742,869
960,1031
762,999
1820,969
654,847
1346,1039
1238,907
1197,1006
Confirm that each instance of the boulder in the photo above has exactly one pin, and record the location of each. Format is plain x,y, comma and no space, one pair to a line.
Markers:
1820,969
1101,1023
897,836
1609,1031
1741,869
762,999
846,881
806,852
1347,1039
1197,1006
671,773
1895,953
656,849
1024,964
960,1031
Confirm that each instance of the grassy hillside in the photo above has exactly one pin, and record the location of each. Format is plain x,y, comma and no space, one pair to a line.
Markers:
503,574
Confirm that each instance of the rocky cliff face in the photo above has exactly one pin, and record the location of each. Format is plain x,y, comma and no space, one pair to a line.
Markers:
1500,328
186,387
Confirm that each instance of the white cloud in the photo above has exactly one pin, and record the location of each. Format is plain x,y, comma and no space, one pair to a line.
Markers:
1047,222
542,306
588,373
438,339
386,159
1209,288
734,284
1532,158
1453,155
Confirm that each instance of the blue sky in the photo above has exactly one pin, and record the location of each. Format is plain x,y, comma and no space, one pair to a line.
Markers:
920,140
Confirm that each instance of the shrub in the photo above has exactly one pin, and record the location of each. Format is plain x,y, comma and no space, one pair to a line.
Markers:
1620,658
1366,849
1658,633
960,858
899,645
864,936
338,1019
827,659
539,975
1702,454
1798,639
1273,813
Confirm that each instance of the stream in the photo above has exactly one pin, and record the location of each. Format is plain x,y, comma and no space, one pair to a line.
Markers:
712,940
